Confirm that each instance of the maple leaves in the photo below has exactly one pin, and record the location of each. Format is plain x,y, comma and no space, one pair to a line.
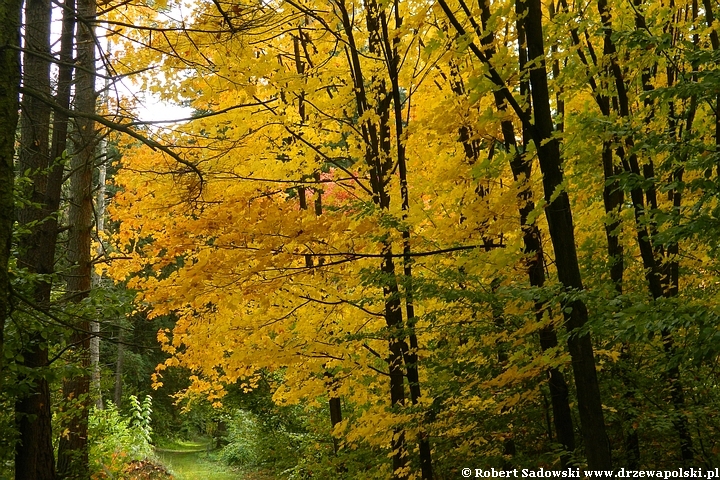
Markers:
258,282
358,159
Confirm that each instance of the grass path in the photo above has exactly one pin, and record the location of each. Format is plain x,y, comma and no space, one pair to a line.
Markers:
189,461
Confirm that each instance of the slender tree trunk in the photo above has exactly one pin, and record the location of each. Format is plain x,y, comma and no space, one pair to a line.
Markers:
521,169
559,392
377,158
392,62
95,387
73,449
95,390
335,416
562,235
642,199
10,13
562,232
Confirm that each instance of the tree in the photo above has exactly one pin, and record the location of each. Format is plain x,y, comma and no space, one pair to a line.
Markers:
10,12
34,455
560,224
416,126
73,449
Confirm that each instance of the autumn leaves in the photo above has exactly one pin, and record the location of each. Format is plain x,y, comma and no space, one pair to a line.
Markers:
340,144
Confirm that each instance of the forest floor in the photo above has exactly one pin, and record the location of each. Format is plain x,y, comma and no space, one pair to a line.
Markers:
190,460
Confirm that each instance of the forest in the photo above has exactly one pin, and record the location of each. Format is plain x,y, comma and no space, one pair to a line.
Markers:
404,239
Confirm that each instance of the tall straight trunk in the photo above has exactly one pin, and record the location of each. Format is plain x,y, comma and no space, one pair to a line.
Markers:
650,254
376,136
669,266
392,62
95,389
73,449
34,457
10,13
119,367
559,218
521,170
562,235
532,241
613,198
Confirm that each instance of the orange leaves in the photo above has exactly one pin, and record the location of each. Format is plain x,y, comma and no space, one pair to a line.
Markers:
275,266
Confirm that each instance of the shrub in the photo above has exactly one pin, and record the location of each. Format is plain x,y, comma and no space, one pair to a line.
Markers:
262,442
116,441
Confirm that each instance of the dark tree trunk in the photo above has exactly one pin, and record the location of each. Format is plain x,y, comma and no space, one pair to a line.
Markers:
562,235
10,13
410,356
520,166
34,456
377,157
59,143
651,255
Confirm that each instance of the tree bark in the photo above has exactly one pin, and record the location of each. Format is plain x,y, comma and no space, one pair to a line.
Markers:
73,449
559,216
378,159
34,456
95,387
10,13
392,62
562,235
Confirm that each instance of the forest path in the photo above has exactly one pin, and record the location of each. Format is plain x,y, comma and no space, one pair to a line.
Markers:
190,461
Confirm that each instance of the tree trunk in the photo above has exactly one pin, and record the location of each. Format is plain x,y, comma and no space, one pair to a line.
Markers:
521,170
73,449
378,159
410,356
10,13
95,387
119,365
562,235
559,218
34,456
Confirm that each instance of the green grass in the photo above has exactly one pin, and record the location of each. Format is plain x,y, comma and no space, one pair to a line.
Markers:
190,461
183,446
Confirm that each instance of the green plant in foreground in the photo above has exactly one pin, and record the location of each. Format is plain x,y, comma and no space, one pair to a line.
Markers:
115,440
141,417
